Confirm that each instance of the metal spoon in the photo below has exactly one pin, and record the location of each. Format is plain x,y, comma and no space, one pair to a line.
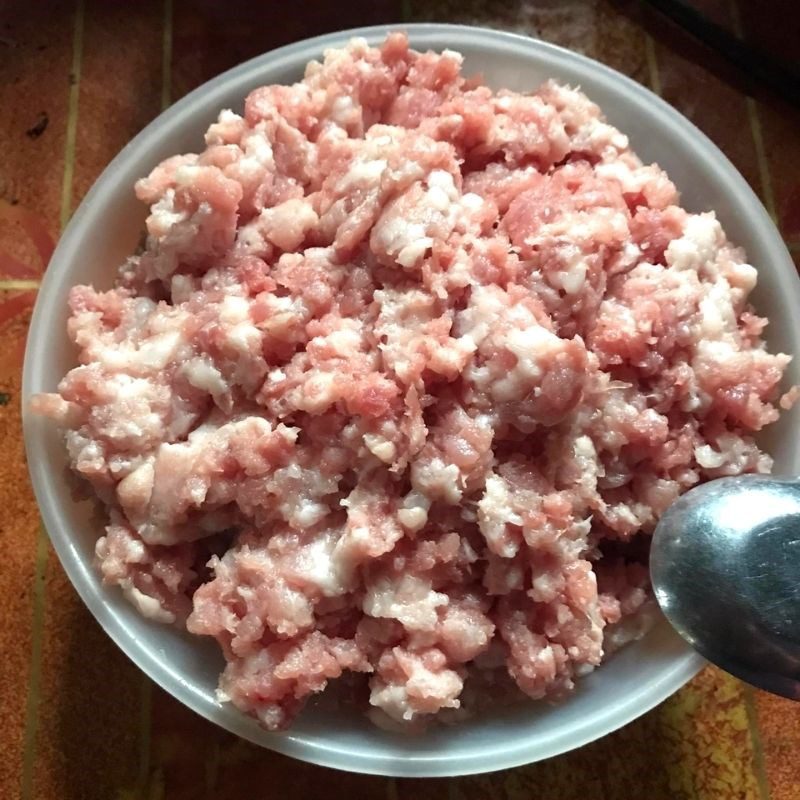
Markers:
725,566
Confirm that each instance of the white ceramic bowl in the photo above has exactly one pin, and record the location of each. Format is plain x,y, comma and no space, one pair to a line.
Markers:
106,228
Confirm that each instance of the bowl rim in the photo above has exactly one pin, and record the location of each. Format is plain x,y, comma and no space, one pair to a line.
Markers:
508,754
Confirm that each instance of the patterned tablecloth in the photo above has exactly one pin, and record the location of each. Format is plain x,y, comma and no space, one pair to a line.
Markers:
78,78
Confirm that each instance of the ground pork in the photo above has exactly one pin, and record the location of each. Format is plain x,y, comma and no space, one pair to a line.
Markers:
401,382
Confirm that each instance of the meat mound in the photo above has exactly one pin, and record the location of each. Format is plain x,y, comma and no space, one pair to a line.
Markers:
401,382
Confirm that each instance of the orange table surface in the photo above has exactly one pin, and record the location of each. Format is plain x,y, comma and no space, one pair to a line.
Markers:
78,79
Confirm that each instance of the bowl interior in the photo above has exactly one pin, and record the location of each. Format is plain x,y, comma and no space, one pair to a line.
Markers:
106,229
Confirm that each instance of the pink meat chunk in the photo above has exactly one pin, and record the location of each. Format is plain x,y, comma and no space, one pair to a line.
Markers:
402,380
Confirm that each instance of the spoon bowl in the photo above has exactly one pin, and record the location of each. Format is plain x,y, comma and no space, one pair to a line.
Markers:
725,564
